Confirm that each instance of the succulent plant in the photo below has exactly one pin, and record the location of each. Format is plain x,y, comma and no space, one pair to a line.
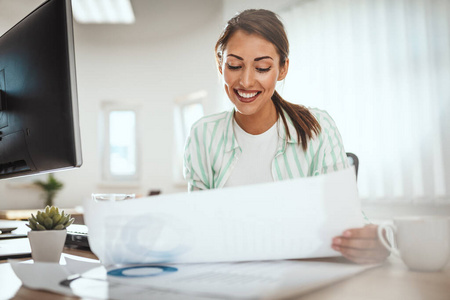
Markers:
50,219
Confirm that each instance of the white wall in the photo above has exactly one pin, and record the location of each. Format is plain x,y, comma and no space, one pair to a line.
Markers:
152,70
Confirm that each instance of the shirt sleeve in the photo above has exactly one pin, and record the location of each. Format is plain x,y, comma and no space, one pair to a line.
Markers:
193,163
334,155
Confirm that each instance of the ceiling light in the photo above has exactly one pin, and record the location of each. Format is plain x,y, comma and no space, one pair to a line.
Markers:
103,11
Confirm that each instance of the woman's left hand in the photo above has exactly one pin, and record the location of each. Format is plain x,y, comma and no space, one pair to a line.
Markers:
361,245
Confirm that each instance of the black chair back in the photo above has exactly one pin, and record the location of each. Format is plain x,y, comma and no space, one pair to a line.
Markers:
353,161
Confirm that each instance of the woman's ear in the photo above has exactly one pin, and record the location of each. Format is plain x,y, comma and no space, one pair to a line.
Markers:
284,70
220,69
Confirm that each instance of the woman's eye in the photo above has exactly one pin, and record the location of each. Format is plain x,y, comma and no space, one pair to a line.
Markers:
233,67
263,70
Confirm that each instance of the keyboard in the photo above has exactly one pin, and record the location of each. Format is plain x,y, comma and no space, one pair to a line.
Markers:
77,236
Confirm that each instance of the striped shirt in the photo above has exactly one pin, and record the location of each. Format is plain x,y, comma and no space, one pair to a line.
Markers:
212,151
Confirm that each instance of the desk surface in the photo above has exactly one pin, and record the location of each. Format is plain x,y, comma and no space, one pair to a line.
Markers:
24,214
390,281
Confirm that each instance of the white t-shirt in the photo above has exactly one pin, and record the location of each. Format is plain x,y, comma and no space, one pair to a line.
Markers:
255,163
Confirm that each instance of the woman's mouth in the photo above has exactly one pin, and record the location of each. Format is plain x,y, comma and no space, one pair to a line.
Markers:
246,96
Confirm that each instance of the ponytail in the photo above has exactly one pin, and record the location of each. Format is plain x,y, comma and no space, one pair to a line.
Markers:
269,26
304,122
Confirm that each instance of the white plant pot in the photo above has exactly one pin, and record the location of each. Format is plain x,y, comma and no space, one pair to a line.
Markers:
47,245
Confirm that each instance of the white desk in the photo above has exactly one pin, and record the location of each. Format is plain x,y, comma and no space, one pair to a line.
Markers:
392,281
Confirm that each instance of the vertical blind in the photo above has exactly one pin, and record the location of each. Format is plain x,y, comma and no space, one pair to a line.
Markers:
381,68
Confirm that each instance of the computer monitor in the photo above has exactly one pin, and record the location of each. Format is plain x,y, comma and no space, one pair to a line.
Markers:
39,130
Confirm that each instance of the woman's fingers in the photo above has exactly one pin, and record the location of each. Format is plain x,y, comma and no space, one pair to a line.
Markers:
361,245
367,232
356,243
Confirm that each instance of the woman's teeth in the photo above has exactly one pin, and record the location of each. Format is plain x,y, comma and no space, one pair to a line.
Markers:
247,95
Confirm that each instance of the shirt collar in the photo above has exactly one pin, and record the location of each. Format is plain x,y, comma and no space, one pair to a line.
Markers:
230,138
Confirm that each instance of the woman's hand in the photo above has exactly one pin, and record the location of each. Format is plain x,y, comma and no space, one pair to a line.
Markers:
361,245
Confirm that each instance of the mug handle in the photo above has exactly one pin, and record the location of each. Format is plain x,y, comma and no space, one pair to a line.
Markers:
383,239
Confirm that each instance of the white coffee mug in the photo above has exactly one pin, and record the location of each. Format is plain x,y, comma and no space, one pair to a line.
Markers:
423,243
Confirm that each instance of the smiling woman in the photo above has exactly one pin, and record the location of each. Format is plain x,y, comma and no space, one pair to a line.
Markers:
251,69
265,138
267,45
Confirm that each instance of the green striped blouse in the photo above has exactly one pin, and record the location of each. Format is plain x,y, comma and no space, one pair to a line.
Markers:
212,151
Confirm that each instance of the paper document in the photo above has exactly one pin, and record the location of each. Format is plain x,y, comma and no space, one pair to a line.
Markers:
279,279
281,220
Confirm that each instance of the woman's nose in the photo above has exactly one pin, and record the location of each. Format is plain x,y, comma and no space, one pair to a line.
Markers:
247,78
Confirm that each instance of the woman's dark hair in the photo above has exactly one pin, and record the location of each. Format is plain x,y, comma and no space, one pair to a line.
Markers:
268,25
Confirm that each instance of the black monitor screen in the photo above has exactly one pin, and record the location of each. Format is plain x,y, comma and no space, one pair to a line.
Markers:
39,129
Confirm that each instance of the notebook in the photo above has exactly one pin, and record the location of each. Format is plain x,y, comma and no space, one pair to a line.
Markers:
14,248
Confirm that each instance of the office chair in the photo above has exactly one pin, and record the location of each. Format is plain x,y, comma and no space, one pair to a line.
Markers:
353,161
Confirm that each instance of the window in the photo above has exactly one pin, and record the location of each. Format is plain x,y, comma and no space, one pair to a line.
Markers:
188,109
190,113
119,143
385,85
122,143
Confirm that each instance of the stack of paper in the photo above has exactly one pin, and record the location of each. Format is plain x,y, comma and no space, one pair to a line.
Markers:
282,220
228,243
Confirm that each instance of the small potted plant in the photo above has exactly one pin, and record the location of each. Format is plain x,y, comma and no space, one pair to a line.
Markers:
48,234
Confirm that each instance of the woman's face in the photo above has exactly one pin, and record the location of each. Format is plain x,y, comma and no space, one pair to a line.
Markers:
251,69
